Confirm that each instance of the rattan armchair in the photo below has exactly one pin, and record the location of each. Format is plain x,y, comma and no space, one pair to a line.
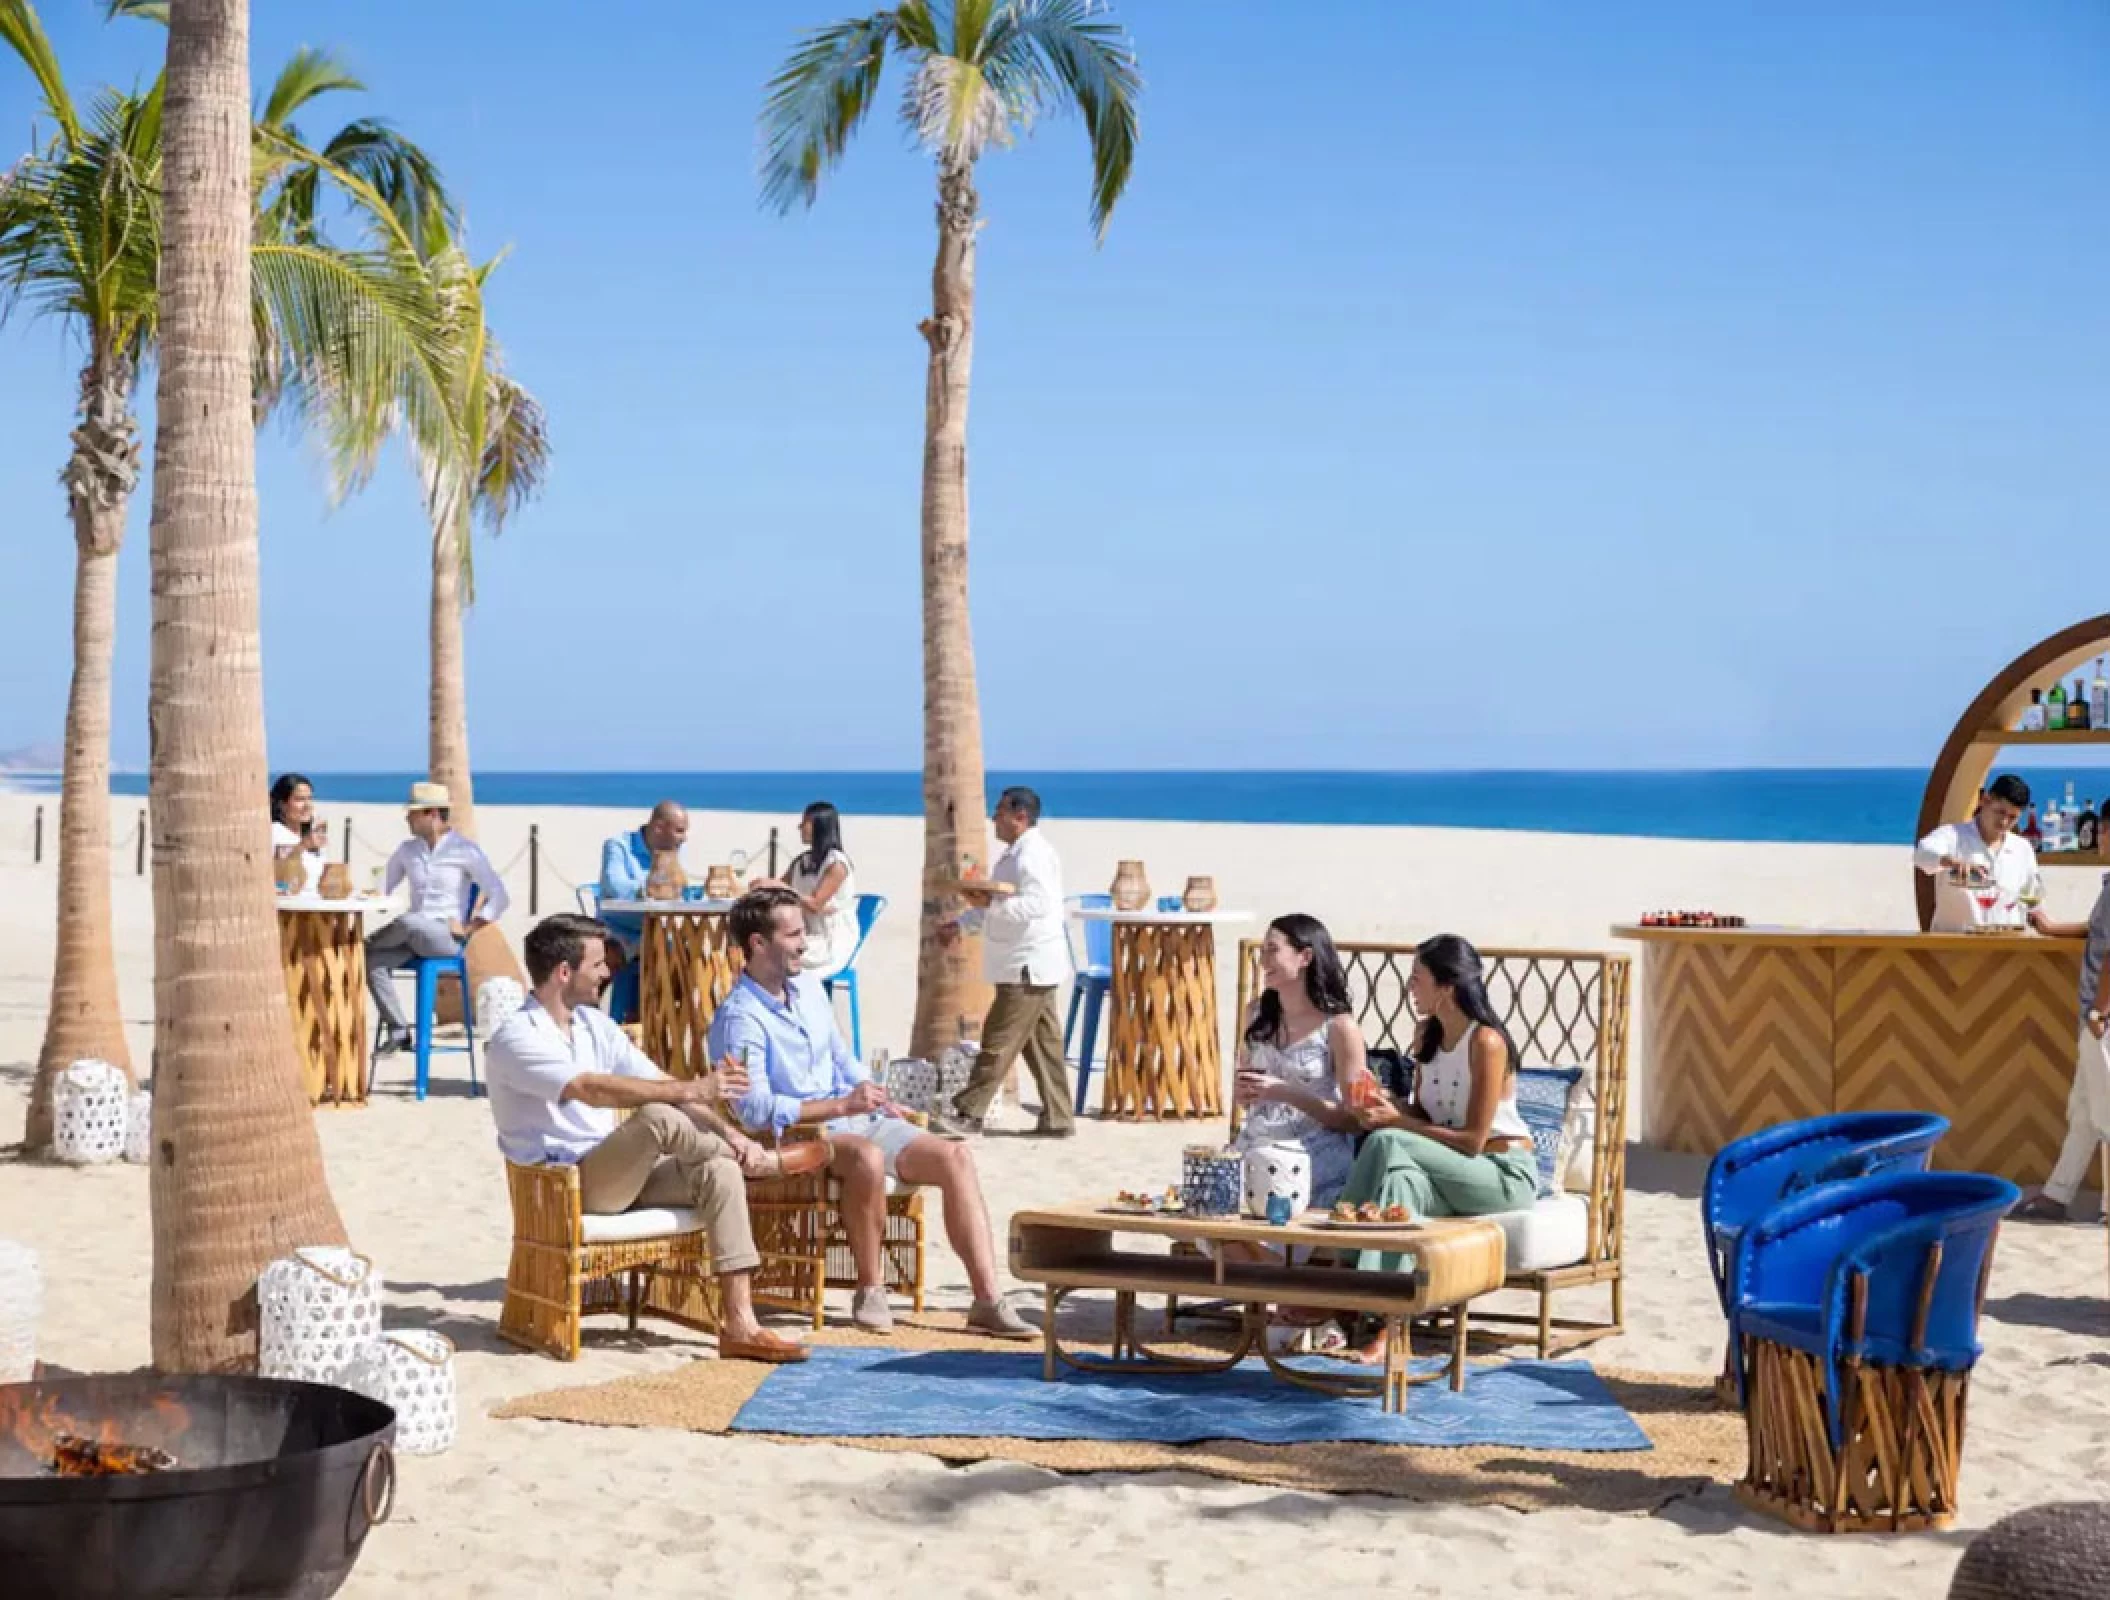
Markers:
805,1249
559,1274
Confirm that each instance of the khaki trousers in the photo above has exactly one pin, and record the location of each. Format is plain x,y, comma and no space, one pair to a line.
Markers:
1021,1019
659,1157
2087,1117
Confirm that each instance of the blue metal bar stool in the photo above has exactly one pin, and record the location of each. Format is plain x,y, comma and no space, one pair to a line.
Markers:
868,908
1095,976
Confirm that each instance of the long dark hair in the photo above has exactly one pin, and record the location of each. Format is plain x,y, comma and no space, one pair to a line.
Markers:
827,836
1325,980
282,791
1453,964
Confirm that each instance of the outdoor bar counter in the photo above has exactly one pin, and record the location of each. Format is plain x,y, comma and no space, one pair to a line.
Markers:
1744,1027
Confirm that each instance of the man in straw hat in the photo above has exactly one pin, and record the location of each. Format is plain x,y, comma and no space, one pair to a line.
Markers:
442,869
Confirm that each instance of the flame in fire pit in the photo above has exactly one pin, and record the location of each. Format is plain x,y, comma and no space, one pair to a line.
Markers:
75,1457
77,1446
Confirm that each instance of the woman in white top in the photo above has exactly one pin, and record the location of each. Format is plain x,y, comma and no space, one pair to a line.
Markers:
1302,1054
1459,1147
826,885
294,830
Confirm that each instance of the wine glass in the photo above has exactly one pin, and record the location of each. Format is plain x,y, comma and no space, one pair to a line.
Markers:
2031,894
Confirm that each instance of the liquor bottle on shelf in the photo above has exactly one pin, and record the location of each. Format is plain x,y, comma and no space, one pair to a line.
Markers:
2033,713
2077,706
2030,829
2099,698
2087,832
2068,809
2055,708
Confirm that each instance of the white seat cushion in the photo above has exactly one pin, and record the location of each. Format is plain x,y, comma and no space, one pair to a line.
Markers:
646,1222
1553,1233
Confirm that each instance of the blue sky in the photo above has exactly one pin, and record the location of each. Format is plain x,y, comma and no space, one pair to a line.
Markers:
1495,385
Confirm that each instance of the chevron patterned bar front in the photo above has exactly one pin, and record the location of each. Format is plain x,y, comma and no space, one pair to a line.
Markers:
1746,1027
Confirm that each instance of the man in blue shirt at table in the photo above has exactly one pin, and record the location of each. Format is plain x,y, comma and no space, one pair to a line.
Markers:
801,1072
626,862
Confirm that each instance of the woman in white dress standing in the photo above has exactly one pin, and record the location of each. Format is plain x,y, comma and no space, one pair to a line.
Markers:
1302,1054
826,884
294,830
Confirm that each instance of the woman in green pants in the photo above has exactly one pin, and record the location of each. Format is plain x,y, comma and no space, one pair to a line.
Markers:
1459,1146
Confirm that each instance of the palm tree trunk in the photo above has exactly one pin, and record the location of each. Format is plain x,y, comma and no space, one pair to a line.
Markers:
84,1019
948,977
447,730
237,1170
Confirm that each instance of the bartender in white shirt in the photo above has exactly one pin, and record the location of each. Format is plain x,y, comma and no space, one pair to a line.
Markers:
1984,850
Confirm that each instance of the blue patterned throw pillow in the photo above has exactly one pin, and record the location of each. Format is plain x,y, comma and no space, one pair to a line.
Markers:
1542,1098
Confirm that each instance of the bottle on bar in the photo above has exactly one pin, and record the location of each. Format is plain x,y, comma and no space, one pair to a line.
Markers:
2077,706
2099,698
2086,831
2033,713
2030,829
2055,708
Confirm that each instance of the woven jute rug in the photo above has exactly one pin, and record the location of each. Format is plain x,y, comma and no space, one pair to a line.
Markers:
1696,1444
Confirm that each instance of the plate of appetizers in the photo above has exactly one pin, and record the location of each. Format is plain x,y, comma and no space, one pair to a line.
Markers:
1145,1204
1367,1215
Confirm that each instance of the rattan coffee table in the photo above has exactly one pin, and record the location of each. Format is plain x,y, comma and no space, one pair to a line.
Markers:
1067,1248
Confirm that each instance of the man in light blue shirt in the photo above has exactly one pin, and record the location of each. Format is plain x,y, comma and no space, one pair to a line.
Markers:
626,862
801,1072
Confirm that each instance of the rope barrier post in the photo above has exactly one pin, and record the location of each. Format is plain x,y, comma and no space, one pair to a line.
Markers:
534,869
141,869
347,841
37,853
772,852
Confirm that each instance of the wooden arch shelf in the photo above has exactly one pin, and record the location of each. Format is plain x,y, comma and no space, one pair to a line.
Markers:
1988,726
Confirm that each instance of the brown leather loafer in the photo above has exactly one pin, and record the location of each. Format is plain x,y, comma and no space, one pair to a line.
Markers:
765,1346
795,1160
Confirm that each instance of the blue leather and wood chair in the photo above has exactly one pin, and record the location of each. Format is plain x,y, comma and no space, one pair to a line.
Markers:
1854,1317
1095,977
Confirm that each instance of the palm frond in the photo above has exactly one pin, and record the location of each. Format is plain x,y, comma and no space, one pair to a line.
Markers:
516,450
1062,51
955,111
821,97
351,344
147,10
399,172
970,28
23,32
308,75
80,227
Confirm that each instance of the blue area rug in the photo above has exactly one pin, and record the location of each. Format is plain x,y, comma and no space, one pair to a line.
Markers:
945,1394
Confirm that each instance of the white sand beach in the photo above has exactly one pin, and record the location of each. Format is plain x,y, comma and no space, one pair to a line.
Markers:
528,1507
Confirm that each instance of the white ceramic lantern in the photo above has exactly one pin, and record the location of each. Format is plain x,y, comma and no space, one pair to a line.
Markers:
1277,1169
320,1307
497,999
911,1083
411,1370
21,1303
139,1127
89,1111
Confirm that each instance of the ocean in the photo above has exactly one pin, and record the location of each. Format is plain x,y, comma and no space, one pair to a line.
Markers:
1860,805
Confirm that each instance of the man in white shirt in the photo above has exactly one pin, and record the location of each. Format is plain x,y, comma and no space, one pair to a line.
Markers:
1984,854
559,1072
441,868
1026,954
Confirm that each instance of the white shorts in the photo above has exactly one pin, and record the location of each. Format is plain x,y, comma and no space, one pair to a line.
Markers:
892,1134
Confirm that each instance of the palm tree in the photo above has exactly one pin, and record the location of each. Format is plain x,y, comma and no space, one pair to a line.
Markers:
80,239
981,71
237,1173
490,459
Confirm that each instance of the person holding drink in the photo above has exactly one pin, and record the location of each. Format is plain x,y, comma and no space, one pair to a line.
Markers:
1980,866
1301,1063
295,829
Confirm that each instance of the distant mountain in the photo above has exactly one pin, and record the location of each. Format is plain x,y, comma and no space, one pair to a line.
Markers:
33,758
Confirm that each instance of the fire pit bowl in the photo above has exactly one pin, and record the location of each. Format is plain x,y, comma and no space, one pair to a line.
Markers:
274,1487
